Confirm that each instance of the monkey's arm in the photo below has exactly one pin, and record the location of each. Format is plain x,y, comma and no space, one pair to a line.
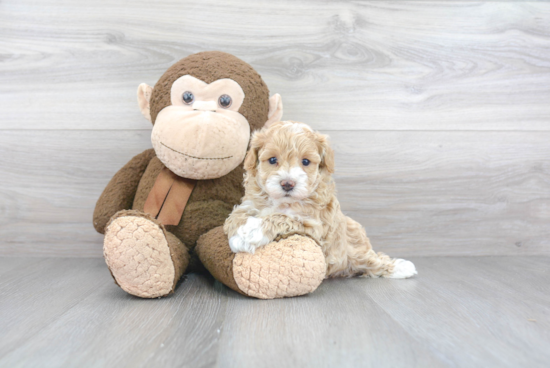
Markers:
119,193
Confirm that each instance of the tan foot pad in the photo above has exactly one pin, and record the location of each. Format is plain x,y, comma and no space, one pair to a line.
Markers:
290,267
137,253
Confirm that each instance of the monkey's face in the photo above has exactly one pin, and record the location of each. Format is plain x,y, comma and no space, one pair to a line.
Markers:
202,135
203,109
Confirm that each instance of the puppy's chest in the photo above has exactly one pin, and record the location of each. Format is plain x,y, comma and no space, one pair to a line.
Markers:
287,211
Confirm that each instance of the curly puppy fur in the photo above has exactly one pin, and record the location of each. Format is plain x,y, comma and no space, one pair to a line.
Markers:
289,190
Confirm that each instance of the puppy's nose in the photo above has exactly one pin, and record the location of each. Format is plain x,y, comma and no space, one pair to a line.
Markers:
287,185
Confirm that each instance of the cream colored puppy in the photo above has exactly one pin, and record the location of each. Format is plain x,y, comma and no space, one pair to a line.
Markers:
288,190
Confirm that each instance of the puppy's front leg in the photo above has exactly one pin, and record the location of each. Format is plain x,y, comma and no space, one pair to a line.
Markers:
236,219
279,225
259,231
243,228
249,236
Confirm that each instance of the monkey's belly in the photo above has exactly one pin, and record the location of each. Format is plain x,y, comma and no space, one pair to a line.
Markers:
198,218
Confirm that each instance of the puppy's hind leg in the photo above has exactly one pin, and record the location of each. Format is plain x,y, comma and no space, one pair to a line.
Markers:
362,259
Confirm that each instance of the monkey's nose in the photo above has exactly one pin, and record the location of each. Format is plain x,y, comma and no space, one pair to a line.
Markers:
287,185
205,106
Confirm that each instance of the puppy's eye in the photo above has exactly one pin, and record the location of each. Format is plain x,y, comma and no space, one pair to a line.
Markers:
225,101
273,160
188,97
305,162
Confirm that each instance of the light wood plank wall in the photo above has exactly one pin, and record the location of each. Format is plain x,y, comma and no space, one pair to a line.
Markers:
439,112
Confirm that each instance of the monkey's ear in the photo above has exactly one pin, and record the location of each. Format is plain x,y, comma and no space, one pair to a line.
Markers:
275,113
144,96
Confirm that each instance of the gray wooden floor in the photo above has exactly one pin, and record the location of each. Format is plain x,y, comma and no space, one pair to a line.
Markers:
458,312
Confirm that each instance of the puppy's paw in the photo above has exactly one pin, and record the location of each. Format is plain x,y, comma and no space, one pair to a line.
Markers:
249,237
402,269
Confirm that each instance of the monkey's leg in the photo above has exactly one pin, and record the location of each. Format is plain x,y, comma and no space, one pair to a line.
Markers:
285,268
144,259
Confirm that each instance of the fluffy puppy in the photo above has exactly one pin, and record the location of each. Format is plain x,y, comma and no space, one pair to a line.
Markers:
289,190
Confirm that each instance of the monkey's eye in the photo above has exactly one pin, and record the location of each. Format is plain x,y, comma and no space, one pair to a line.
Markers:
305,162
225,101
188,97
273,160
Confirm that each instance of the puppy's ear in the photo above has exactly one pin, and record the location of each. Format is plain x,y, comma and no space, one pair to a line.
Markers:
329,160
326,153
251,159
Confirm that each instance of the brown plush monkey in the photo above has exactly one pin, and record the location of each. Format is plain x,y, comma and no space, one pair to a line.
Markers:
162,212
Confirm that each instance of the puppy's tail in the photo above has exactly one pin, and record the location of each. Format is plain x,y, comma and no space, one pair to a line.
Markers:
372,264
363,260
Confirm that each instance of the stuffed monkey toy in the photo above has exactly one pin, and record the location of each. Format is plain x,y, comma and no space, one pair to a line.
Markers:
162,213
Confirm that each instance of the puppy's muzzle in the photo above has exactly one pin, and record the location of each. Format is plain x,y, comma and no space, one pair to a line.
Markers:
287,185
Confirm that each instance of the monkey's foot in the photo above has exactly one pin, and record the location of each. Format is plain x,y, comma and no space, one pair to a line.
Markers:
289,267
138,256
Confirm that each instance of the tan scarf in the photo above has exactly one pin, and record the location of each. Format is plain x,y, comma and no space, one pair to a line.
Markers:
169,196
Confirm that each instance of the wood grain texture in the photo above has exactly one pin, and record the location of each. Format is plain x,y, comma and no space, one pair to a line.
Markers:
483,301
35,294
406,65
447,193
334,327
439,115
457,312
438,111
49,184
417,193
112,328
12,263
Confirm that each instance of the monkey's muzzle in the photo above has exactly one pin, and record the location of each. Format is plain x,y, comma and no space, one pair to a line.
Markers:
200,144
